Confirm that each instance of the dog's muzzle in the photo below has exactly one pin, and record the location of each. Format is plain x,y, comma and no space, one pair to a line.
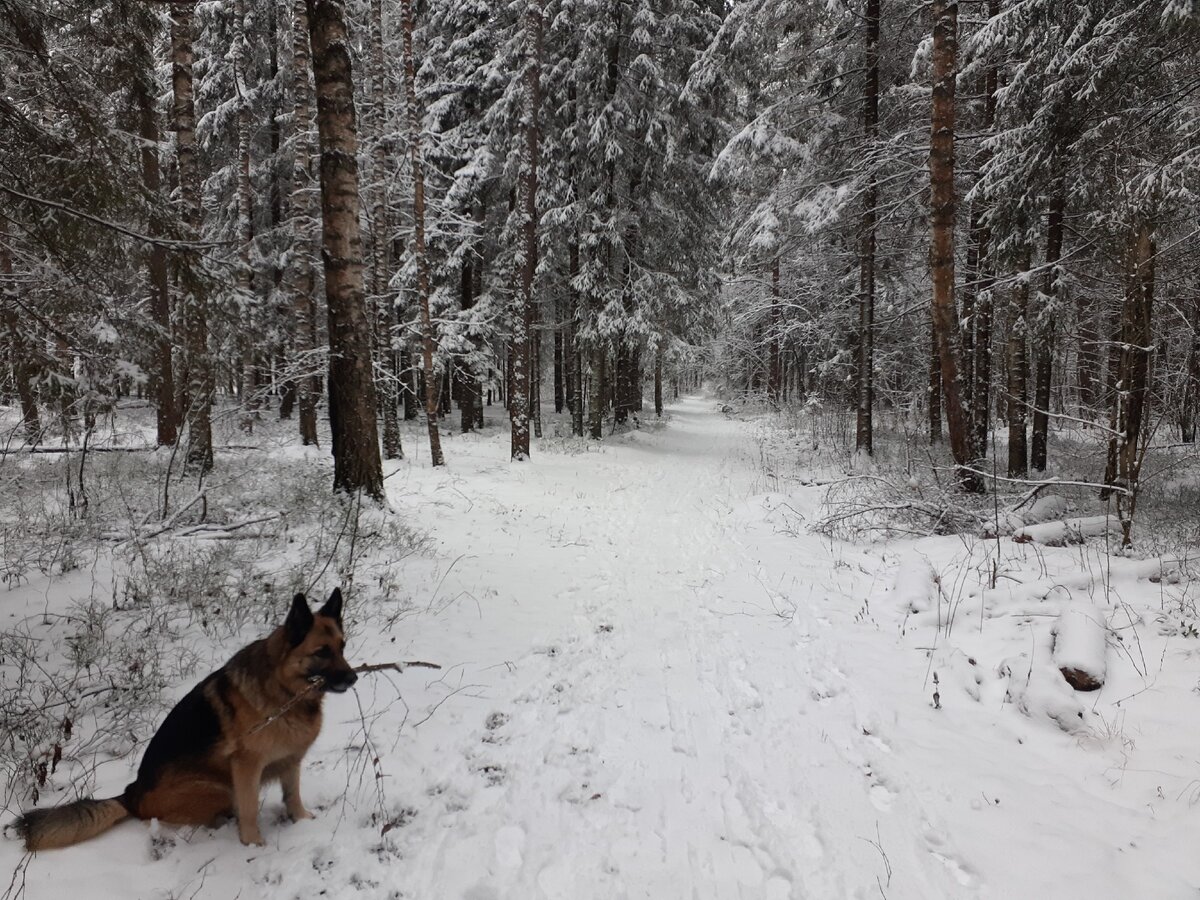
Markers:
341,682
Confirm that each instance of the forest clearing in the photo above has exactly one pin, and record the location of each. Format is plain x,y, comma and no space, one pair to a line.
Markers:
657,682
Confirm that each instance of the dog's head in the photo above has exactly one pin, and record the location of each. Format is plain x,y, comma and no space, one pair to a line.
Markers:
315,644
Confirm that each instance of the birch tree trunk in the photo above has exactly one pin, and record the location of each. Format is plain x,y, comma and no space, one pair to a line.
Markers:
418,176
355,437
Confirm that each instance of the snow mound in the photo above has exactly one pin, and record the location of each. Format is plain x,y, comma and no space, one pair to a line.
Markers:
916,583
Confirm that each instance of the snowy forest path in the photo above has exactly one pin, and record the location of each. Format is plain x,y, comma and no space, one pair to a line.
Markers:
682,725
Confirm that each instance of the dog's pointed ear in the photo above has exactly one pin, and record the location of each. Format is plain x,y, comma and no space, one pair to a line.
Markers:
299,620
333,607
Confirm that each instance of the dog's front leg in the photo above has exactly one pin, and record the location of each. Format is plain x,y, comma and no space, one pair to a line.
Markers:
289,780
247,777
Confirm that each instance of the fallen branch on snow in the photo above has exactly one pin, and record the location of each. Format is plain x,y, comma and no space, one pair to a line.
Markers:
396,666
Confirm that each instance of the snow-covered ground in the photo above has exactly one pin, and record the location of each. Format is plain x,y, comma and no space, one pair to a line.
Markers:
659,684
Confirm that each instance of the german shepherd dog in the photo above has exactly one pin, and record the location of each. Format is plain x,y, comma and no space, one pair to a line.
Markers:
249,722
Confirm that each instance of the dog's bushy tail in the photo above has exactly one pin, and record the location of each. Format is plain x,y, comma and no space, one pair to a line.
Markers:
71,823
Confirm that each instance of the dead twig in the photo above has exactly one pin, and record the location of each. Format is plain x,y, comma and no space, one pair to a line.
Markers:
396,666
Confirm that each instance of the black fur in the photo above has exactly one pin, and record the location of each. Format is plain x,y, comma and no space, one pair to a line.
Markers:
333,607
299,620
187,734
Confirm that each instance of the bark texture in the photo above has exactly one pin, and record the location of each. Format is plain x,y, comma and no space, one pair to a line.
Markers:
355,437
943,200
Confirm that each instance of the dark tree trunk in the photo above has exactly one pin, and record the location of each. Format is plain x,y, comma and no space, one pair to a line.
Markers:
597,396
864,426
423,277
943,202
622,384
774,361
1089,360
245,212
984,274
576,345
193,303
166,414
468,394
560,376
935,388
351,385
523,316
20,358
658,377
535,379
408,384
1132,397
1018,373
301,281
381,242
1190,401
1044,334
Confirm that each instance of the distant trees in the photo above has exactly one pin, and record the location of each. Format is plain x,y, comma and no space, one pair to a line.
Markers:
1038,160
593,196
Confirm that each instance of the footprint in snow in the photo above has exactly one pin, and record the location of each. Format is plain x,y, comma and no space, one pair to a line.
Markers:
492,723
493,773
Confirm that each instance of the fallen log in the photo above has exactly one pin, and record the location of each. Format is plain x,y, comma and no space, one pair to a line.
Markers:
1067,531
1081,646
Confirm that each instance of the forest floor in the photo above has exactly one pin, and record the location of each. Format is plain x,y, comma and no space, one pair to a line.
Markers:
658,683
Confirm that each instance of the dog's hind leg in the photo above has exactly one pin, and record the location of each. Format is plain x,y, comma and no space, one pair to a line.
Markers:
289,780
185,798
247,778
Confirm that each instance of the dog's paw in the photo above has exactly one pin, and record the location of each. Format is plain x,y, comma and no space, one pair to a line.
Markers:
300,814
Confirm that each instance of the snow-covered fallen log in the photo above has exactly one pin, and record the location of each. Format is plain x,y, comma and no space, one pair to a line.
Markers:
1081,646
1067,531
916,584
1046,509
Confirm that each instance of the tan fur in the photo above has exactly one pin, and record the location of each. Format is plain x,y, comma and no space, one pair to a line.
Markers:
62,826
267,714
